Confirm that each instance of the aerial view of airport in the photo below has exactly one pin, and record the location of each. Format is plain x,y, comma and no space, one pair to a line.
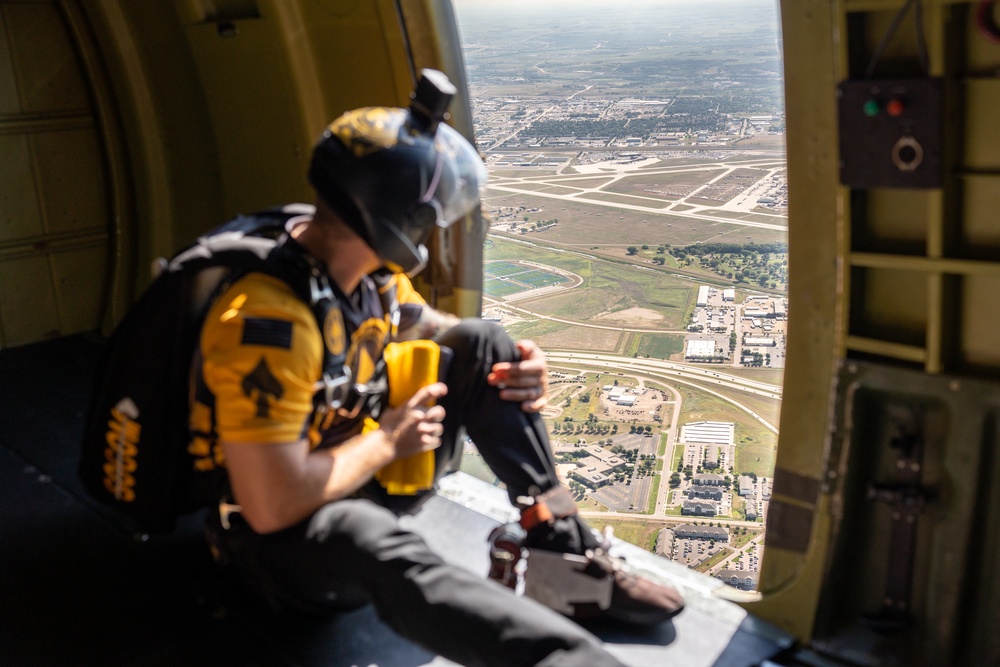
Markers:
637,207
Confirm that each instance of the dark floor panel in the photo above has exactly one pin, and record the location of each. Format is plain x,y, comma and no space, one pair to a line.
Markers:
77,589
76,592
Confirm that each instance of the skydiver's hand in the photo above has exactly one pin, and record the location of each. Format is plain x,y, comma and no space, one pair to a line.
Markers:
414,427
523,381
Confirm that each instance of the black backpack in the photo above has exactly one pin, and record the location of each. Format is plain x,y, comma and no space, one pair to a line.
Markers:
135,449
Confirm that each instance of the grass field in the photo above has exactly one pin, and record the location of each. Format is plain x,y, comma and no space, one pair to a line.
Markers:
536,330
581,338
609,288
537,278
588,225
632,200
665,185
501,268
757,458
756,446
496,288
633,531
584,182
771,375
658,346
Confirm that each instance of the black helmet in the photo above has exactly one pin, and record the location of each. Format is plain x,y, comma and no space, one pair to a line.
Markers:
394,174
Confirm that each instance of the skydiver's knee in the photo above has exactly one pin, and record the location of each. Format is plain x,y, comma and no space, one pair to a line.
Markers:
487,340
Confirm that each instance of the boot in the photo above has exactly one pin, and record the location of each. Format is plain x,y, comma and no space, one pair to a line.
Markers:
569,568
506,553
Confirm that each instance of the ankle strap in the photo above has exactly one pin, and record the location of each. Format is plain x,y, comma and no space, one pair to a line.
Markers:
554,504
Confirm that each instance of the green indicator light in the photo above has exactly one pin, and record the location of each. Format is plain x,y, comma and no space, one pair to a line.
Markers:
871,108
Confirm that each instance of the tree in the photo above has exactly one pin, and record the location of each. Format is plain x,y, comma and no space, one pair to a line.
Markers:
632,250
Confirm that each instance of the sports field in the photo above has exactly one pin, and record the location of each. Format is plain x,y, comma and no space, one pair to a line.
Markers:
505,278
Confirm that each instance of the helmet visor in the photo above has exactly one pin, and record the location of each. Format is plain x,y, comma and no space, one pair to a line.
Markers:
459,176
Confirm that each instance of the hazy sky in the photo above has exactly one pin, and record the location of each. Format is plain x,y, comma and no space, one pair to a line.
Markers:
615,6
706,16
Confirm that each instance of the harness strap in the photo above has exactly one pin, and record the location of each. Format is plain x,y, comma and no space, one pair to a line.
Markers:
554,504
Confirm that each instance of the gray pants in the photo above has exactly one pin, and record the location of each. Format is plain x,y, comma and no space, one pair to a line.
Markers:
353,551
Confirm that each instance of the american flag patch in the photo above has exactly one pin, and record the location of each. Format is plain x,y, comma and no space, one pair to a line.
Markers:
266,331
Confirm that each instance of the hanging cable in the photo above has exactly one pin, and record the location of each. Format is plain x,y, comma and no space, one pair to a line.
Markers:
893,27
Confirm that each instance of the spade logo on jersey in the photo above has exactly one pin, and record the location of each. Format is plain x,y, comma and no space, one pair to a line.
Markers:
261,387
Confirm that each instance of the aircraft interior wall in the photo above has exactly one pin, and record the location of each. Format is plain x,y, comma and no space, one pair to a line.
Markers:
888,430
132,127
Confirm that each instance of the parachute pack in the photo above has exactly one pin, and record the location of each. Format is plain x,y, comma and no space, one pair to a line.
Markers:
135,454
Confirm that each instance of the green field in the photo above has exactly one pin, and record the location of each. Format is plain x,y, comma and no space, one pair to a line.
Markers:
756,445
501,268
666,185
608,288
537,278
583,224
496,288
657,346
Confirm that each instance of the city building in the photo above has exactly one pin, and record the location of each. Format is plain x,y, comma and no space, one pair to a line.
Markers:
708,479
743,580
699,508
709,492
700,349
689,531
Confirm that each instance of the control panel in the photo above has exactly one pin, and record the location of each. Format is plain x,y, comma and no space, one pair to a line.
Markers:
891,133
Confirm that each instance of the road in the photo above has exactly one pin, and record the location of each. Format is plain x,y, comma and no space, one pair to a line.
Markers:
670,370
744,202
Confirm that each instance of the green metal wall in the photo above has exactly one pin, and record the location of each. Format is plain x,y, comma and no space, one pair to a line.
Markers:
893,311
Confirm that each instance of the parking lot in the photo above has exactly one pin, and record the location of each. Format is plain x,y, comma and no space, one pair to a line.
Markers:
693,552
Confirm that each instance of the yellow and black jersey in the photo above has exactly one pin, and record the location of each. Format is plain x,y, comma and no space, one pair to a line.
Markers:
262,352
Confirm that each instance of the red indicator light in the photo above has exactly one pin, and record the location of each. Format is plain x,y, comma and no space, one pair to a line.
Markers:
894,107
